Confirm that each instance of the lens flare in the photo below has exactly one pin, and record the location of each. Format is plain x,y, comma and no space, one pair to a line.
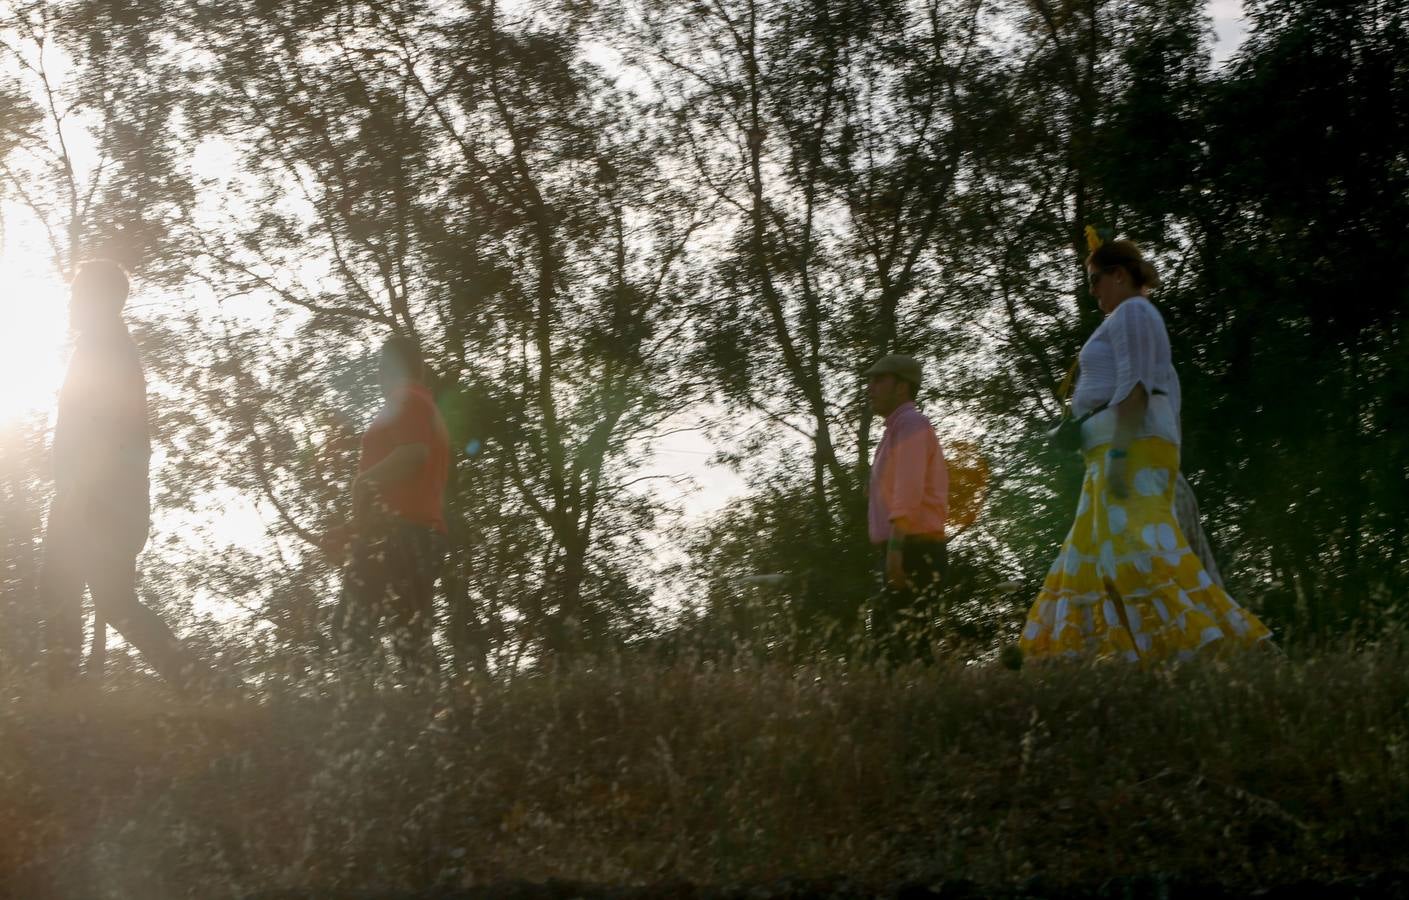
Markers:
33,309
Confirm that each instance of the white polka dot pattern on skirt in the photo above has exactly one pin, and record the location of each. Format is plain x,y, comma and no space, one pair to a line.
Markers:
1168,540
1106,568
1117,518
1151,482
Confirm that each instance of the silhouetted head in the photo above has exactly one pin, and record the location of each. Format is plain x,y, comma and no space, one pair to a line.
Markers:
399,364
97,294
1117,271
893,381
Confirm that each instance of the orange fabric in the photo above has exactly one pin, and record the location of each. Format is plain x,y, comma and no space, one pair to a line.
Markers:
410,416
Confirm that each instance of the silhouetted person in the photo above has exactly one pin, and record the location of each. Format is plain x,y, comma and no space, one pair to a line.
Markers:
101,512
399,535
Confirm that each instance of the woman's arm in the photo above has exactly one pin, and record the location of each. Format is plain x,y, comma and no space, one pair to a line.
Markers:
1129,418
1141,346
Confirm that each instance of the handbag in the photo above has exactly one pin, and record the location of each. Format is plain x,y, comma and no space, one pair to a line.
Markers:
1065,436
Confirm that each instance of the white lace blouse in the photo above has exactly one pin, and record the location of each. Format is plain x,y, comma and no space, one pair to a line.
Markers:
1130,347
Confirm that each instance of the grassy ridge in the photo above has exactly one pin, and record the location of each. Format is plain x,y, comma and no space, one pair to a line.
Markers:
1260,770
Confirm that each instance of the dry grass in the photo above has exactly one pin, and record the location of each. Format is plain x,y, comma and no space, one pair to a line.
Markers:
1255,771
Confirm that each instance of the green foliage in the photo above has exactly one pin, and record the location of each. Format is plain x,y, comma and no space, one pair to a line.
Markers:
1289,307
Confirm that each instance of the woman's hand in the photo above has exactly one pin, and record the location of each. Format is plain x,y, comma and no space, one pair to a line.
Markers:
1129,419
1116,481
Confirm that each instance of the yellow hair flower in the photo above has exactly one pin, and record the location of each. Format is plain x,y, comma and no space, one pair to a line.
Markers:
1093,239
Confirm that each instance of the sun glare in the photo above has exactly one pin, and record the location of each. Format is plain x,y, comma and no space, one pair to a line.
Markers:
33,322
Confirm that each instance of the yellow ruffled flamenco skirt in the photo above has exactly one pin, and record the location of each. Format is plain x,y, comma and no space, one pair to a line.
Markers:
1129,552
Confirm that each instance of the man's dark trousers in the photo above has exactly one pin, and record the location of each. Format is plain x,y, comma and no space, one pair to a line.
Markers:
902,618
391,574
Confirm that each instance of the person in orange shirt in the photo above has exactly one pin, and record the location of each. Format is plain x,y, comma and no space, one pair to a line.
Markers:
398,541
908,501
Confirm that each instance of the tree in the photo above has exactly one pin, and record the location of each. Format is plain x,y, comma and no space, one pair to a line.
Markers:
1297,218
462,180
840,138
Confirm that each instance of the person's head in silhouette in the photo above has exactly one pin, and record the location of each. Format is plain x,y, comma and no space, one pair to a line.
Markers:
399,365
97,294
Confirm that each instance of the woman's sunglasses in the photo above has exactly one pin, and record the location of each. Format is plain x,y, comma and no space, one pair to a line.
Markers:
1094,278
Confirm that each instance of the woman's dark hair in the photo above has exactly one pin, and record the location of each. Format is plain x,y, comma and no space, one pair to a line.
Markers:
406,354
1124,255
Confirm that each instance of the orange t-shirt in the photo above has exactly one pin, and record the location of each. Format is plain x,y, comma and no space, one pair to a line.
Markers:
409,416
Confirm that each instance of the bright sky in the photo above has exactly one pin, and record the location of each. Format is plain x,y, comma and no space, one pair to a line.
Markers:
1229,28
33,308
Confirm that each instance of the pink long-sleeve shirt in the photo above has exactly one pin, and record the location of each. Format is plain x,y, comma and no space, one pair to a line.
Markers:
909,480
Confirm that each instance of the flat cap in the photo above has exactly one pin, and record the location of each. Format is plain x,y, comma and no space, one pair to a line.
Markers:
899,365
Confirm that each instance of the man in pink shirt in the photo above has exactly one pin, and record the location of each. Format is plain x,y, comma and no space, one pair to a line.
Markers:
908,502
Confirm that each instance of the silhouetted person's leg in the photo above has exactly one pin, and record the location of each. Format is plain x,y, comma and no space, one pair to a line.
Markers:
417,557
112,579
411,635
114,587
83,547
362,599
61,584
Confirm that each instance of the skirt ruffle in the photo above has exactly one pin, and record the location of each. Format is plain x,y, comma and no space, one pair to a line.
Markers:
1126,584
